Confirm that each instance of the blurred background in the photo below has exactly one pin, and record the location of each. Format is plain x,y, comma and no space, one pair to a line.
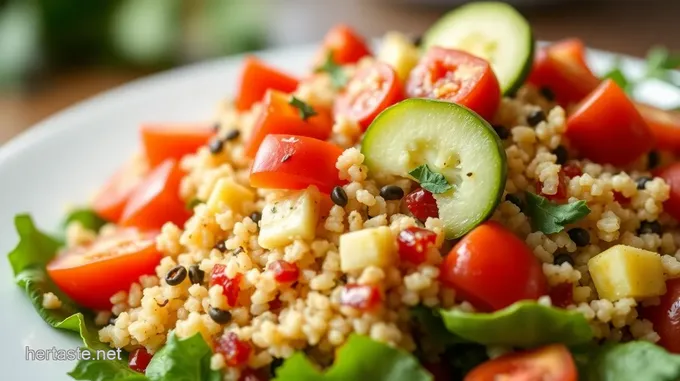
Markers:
54,53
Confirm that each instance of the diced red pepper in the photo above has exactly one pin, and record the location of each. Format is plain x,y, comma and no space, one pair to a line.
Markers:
413,244
230,286
620,198
561,194
139,360
235,351
572,170
284,272
361,297
422,204
253,375
562,295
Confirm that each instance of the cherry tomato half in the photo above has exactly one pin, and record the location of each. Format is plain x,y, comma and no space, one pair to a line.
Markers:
279,117
553,363
172,141
665,126
671,174
110,201
91,274
605,127
295,162
492,269
456,76
256,78
666,316
345,44
561,67
368,93
156,200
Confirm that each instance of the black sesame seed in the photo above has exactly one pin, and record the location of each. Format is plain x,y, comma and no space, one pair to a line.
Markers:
535,118
164,303
339,196
232,135
417,40
256,217
391,192
219,316
514,199
562,155
547,93
502,131
220,246
196,275
176,275
561,258
238,250
216,146
653,159
649,227
580,236
642,181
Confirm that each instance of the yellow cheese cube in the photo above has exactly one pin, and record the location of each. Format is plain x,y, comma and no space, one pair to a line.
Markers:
293,217
627,272
367,247
229,193
400,53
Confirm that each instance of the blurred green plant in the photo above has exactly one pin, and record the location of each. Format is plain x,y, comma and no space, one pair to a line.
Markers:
43,36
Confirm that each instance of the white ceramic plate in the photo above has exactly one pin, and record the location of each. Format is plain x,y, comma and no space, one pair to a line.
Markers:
62,160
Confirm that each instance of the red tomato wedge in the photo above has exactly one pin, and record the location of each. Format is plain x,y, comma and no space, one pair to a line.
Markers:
477,268
91,274
607,128
666,316
551,363
456,76
173,141
256,78
369,92
156,200
280,117
561,67
665,126
295,162
345,44
110,201
671,174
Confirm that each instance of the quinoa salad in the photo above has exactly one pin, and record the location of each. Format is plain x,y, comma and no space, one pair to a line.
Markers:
461,206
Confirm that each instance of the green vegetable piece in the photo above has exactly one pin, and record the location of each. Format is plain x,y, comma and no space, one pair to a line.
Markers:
186,359
306,111
339,78
191,204
360,358
524,324
617,76
87,217
632,361
105,370
549,217
433,338
429,180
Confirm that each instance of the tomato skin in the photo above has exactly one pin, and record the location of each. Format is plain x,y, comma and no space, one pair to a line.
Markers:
370,91
671,174
110,201
562,68
477,268
236,352
665,126
421,204
345,44
91,274
279,117
562,295
666,316
553,363
295,162
156,200
173,141
139,360
606,128
413,243
471,79
256,78
361,297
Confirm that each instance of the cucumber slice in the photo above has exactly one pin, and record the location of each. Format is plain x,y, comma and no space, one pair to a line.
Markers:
451,140
494,31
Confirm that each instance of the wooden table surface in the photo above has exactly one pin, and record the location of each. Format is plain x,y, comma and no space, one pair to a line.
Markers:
626,26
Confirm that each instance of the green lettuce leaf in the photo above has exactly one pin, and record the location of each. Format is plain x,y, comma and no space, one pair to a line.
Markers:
87,217
523,324
183,360
359,359
432,336
632,361
105,370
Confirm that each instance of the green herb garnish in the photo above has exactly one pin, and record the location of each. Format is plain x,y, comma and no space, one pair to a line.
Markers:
306,111
338,76
429,180
549,217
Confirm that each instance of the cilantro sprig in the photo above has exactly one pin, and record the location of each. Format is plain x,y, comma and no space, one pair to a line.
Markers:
306,111
430,180
338,76
550,217
658,65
